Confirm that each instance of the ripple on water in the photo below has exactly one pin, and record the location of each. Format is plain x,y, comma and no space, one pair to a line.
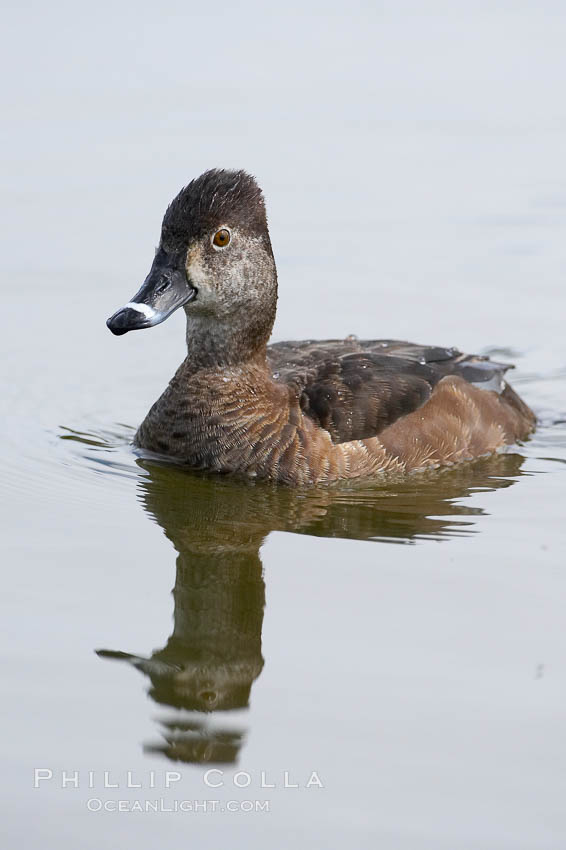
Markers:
437,504
68,462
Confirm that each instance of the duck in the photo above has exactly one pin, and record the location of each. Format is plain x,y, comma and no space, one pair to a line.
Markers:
306,412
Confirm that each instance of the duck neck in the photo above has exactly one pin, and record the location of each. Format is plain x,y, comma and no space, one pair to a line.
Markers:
214,342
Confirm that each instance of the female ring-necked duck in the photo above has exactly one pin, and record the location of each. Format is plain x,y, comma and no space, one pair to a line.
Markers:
296,412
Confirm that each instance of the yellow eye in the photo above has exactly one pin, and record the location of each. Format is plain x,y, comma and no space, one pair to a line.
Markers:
221,238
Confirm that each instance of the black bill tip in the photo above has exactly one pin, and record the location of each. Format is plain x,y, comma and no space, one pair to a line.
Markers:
125,320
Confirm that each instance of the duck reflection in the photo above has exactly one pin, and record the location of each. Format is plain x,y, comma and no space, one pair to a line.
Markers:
217,527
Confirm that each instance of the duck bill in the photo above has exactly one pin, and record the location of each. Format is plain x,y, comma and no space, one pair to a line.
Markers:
165,289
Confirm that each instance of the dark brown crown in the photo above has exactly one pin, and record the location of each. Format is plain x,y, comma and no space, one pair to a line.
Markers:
215,198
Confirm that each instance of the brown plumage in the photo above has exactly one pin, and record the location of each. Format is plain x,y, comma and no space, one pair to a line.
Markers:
296,412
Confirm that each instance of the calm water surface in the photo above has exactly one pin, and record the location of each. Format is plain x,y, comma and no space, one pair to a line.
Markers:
403,646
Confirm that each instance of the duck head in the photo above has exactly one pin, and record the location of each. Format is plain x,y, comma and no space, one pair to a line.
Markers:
215,260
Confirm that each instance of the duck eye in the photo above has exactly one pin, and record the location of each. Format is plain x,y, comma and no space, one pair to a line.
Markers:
221,238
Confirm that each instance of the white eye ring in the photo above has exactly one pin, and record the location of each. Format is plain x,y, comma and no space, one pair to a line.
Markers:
215,234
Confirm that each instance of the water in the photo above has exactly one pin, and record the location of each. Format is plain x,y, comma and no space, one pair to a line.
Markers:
403,646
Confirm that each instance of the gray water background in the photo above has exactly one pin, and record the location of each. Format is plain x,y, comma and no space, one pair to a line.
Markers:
413,160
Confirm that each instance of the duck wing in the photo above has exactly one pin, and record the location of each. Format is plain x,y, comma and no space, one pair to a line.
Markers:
355,389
